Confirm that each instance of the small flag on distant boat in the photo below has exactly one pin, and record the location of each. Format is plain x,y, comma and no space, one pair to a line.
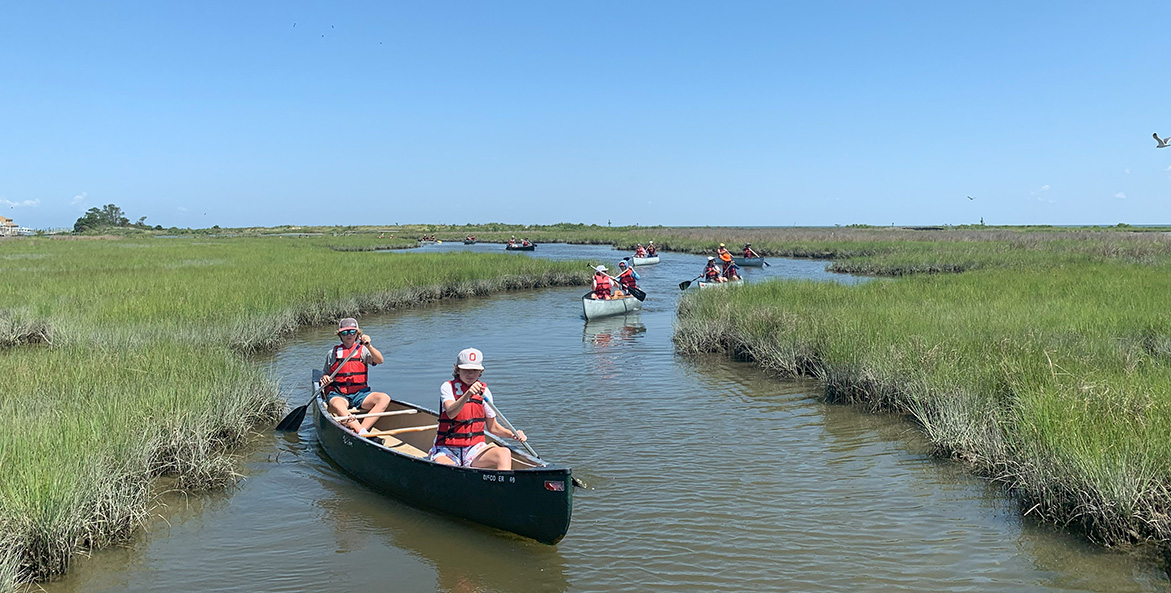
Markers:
555,486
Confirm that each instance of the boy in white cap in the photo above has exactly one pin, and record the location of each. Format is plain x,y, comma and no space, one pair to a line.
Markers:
464,417
349,388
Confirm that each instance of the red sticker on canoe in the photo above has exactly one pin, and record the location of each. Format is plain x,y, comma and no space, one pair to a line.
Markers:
554,486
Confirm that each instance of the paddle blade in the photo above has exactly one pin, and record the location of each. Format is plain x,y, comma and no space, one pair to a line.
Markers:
638,293
293,420
684,285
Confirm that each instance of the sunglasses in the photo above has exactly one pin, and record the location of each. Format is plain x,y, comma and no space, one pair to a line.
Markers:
347,332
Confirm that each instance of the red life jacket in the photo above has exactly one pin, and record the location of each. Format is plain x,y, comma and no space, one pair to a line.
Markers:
711,273
467,428
601,285
748,252
626,278
640,252
651,251
351,377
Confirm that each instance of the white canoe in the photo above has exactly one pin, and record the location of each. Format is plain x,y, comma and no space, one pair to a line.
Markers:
703,284
644,261
595,308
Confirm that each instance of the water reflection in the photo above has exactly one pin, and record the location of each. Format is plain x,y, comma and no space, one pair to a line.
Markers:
608,331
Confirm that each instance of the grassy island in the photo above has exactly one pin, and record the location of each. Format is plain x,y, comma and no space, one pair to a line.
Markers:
125,362
1045,364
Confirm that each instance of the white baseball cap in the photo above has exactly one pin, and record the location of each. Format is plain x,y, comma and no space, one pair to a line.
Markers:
470,358
601,268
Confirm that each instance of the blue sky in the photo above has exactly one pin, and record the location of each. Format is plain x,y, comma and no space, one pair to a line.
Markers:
675,113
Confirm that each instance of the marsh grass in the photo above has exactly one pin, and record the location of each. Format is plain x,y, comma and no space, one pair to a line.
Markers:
124,362
1054,383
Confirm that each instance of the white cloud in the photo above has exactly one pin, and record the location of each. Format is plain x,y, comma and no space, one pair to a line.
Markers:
21,204
1120,196
1041,194
182,209
79,199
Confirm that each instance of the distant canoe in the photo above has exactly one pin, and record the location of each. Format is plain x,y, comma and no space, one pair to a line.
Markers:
466,242
644,261
751,262
530,247
595,308
531,500
703,284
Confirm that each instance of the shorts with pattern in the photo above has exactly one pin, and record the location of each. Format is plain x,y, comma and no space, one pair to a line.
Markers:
462,456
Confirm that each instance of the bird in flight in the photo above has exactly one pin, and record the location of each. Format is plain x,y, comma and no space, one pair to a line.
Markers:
1162,141
971,198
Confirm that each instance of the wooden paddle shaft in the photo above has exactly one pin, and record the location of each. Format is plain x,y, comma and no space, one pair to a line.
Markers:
509,426
383,433
381,414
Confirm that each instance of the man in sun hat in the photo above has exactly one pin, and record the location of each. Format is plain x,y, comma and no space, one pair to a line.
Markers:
601,284
348,389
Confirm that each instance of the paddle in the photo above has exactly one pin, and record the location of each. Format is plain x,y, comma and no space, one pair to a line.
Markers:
755,254
508,425
297,416
687,283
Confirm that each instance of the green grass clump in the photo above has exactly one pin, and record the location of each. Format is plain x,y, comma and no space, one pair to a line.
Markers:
1053,380
125,361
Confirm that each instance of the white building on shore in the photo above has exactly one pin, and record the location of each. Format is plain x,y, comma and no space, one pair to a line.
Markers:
7,227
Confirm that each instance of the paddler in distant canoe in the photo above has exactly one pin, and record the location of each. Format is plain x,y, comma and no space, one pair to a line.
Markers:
602,287
464,418
725,255
640,251
731,272
711,272
651,251
628,278
749,253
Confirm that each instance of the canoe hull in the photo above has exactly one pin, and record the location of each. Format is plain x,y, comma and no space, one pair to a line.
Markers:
644,261
594,308
535,503
520,247
701,284
469,242
749,262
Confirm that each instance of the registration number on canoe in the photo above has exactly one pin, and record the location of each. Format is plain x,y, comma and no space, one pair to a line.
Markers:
499,478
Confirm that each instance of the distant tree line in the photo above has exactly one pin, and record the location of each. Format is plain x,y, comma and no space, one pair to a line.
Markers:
107,216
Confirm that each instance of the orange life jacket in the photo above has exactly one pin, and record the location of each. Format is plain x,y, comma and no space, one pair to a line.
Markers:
626,278
651,251
711,273
467,428
351,377
748,253
601,285
724,255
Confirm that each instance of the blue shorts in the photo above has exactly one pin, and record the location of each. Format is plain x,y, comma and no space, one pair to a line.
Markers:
355,399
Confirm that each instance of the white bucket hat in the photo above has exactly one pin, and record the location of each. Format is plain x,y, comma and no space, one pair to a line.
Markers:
470,358
601,268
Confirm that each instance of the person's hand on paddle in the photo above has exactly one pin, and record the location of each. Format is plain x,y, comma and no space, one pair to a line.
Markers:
519,436
476,389
364,339
326,380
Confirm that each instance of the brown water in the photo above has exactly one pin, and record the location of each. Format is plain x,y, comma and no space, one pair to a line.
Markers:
704,474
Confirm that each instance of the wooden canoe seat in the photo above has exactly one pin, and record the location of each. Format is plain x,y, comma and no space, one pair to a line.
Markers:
391,442
402,447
